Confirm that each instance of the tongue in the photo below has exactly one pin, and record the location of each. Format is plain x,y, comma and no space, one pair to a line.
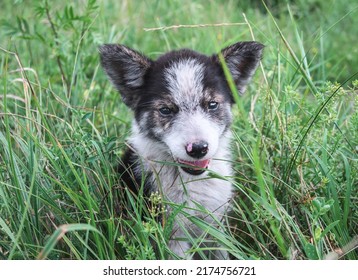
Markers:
197,163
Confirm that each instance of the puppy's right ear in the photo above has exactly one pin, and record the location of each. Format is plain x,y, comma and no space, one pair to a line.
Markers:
126,69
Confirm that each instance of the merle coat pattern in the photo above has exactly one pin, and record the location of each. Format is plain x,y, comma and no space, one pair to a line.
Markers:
181,128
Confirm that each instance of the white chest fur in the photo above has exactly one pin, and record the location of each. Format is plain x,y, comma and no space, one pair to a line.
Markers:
212,193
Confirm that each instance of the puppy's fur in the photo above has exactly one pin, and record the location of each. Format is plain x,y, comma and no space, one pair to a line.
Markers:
181,131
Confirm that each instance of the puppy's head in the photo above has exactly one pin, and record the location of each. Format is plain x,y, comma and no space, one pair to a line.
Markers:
182,99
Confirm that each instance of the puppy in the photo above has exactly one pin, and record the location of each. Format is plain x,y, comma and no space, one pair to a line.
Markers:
181,129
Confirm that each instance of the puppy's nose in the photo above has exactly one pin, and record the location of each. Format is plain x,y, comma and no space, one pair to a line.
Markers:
197,149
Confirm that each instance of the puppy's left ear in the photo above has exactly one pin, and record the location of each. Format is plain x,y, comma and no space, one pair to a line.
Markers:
242,60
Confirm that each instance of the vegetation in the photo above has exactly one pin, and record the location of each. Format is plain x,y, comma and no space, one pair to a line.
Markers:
63,128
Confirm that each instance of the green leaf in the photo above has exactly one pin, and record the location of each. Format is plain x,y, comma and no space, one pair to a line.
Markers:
87,116
316,204
317,233
311,252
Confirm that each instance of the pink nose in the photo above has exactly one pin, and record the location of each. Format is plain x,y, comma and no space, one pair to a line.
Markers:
197,149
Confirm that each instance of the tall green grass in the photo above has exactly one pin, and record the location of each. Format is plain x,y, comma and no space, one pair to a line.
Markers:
63,130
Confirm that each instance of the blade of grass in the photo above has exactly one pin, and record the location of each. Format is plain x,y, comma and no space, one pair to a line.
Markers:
59,234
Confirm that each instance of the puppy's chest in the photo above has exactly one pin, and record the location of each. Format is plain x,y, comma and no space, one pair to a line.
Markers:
211,193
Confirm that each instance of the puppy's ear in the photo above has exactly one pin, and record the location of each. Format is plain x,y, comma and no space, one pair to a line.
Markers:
242,60
126,69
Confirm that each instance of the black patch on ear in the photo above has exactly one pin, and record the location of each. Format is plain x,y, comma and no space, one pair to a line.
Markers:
126,69
242,60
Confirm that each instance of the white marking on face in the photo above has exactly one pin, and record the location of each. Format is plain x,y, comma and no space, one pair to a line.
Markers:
190,128
185,81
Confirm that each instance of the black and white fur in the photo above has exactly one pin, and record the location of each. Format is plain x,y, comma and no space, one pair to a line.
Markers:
181,131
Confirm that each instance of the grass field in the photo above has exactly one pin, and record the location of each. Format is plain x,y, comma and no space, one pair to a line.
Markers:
63,127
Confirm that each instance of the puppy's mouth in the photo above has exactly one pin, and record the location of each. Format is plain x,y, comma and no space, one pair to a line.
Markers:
194,167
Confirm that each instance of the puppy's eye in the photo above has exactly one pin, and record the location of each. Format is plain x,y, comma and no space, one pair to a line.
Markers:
213,105
165,111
